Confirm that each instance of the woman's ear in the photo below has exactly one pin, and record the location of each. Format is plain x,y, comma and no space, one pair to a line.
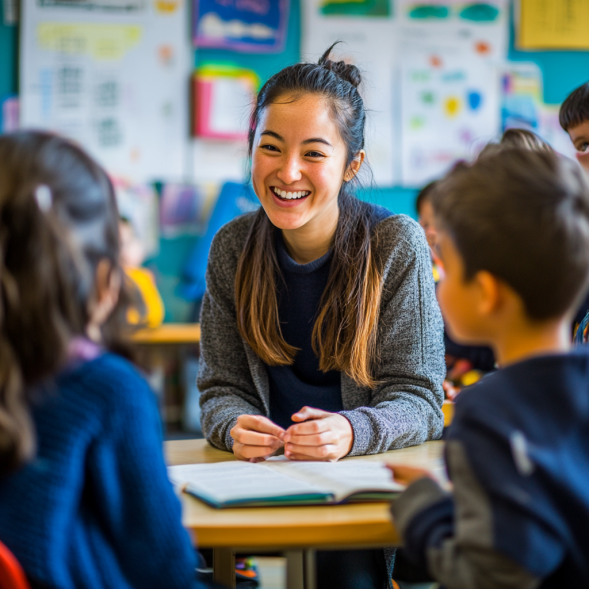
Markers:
107,288
355,166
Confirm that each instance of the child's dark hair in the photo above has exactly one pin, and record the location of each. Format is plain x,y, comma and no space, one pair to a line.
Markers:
424,195
58,219
575,109
344,335
523,216
517,138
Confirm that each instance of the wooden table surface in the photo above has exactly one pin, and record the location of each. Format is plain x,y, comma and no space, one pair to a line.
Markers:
168,333
354,525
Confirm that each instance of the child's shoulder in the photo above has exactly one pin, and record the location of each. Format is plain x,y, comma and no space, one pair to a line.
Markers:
551,387
108,380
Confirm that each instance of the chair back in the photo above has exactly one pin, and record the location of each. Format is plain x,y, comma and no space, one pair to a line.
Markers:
12,575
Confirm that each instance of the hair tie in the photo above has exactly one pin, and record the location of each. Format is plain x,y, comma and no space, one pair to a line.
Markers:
44,198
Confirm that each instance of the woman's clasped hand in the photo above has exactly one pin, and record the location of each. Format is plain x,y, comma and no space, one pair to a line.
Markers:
315,435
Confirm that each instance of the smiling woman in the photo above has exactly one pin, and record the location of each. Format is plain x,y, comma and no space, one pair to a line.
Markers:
321,332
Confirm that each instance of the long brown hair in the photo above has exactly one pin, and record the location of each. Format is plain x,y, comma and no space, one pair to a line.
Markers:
345,330
49,250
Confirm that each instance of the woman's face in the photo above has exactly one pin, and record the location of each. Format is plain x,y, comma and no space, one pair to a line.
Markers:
298,162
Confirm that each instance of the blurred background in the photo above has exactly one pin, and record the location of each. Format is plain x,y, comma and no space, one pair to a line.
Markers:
160,91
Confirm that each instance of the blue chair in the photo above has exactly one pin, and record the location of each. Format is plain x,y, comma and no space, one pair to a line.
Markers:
234,200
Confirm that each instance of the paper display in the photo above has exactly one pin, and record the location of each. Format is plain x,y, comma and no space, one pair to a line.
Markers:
249,26
450,108
368,43
110,74
553,24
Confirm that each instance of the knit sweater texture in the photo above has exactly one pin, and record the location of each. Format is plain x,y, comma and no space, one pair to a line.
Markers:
95,508
403,410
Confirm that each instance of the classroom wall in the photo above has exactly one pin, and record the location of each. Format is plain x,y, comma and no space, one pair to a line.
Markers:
563,71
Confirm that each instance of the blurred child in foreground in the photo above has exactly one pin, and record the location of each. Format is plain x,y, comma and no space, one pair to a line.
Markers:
518,449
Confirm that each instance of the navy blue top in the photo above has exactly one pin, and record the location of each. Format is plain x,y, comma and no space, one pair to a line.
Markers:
540,513
95,508
302,383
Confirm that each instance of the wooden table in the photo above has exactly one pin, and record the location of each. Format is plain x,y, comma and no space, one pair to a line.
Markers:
296,531
168,333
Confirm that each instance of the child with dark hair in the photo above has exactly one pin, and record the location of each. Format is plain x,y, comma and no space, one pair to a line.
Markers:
518,449
464,364
574,119
85,501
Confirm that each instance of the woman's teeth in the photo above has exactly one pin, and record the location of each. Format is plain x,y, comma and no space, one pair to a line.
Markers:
291,195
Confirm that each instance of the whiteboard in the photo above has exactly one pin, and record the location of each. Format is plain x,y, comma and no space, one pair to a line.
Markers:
113,76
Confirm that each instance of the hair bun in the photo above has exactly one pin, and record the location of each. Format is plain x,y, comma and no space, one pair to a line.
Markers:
346,71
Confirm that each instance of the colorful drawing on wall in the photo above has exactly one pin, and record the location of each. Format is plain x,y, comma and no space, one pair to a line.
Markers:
356,7
429,12
251,26
479,28
521,96
223,95
447,113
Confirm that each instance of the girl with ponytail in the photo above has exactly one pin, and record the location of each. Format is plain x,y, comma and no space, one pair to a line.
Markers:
321,333
85,501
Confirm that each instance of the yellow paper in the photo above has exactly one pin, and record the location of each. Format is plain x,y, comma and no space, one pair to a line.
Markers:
554,24
102,42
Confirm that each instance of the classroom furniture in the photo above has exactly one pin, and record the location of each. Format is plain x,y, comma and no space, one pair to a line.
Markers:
296,531
168,333
11,574
448,411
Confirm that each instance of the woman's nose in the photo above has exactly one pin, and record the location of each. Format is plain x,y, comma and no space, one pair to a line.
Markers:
290,170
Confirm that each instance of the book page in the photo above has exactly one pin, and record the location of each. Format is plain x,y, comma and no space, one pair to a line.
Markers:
343,479
227,482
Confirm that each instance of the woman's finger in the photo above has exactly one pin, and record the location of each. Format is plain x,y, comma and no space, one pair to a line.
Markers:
325,452
313,427
309,413
260,423
252,438
246,452
327,437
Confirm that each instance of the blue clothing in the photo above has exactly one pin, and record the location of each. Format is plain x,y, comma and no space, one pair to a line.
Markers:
95,508
518,455
299,296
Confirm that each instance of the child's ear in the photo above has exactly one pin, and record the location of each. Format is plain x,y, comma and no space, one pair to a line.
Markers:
355,166
490,292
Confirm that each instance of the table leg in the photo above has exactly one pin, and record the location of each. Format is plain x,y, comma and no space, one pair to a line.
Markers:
310,570
224,567
295,578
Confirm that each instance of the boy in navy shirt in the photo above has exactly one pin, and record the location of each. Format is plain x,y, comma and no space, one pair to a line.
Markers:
514,240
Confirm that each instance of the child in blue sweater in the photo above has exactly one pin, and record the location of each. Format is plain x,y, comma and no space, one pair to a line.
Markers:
85,500
514,240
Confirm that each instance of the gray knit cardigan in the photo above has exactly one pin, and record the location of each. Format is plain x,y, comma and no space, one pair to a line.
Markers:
404,410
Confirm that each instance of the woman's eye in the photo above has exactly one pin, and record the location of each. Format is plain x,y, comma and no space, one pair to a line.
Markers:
314,154
269,147
583,147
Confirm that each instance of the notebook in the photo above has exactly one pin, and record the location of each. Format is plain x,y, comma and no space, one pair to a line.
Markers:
280,482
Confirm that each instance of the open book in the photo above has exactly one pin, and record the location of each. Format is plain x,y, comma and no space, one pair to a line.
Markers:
283,482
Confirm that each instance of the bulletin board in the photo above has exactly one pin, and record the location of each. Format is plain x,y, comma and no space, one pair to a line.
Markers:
113,76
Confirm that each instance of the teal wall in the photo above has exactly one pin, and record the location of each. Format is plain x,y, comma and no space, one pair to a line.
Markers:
563,71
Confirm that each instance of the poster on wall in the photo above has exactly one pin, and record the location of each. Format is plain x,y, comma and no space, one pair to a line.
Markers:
451,108
368,40
478,28
113,76
248,26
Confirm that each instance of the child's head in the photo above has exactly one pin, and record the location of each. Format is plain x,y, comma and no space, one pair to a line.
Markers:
517,138
59,275
425,213
574,119
513,231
